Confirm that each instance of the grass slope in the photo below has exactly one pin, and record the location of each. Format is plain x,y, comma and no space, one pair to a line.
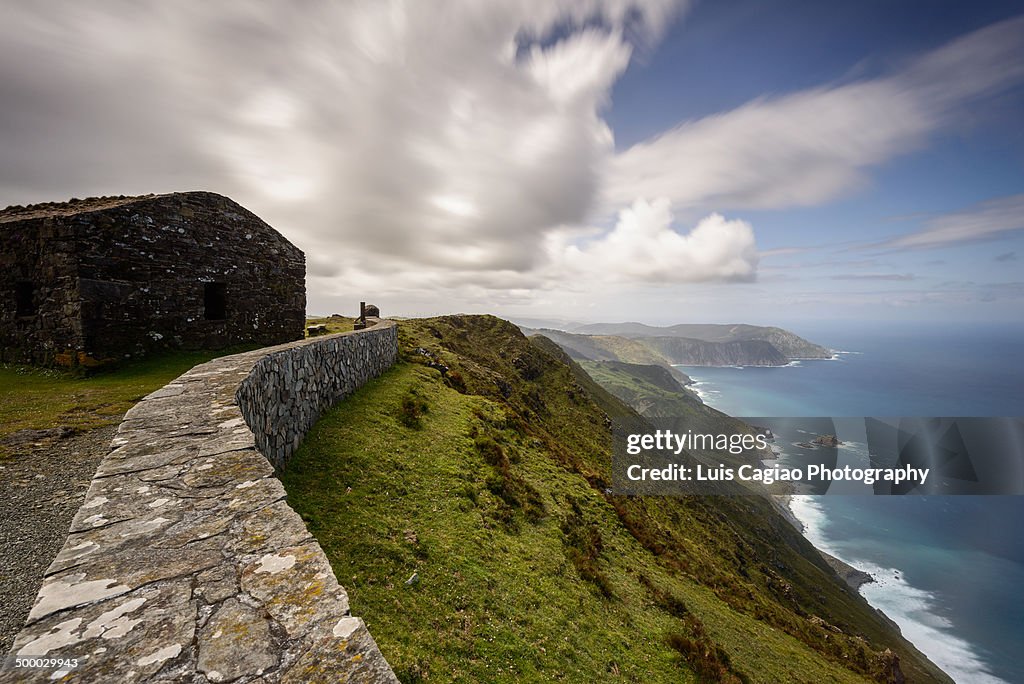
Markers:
653,393
466,513
650,390
334,324
604,347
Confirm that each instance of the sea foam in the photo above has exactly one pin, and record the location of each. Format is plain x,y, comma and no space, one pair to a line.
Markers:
913,609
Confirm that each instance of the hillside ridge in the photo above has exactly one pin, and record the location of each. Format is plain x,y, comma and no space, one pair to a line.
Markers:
692,344
468,510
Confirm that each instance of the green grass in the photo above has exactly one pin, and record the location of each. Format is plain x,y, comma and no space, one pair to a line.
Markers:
38,398
493,494
649,398
33,397
653,393
498,596
335,324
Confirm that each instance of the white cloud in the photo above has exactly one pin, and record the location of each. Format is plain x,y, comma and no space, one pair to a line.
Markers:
796,150
442,136
643,246
986,221
885,277
813,146
454,150
582,68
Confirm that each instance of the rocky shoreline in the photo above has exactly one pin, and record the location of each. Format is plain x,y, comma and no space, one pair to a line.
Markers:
854,577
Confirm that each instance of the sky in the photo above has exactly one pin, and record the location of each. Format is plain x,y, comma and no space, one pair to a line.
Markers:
649,160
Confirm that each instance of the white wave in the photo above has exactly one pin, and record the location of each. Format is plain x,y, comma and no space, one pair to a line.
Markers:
811,515
838,354
913,609
703,391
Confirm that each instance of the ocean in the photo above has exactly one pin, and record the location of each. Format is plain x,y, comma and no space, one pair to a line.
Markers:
948,569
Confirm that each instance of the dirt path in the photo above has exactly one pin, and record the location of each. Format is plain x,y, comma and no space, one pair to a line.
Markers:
41,489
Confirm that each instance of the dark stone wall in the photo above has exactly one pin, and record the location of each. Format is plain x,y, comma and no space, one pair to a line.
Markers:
191,270
287,390
38,255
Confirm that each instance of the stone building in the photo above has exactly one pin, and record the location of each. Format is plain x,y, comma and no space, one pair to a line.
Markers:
104,278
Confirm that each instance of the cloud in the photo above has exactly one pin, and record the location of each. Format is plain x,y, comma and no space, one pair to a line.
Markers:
989,220
813,146
874,276
447,137
784,251
802,149
453,150
644,247
1006,257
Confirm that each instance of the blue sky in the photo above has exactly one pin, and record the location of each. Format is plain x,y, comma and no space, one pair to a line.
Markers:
723,55
653,160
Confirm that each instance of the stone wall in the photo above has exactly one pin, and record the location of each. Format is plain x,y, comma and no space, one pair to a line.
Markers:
185,563
117,276
287,391
55,321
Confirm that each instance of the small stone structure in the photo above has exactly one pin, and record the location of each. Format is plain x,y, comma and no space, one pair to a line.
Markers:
185,563
89,280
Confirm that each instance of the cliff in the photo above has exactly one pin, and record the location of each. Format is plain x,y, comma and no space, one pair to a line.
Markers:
789,344
602,347
691,352
464,499
651,391
667,379
666,350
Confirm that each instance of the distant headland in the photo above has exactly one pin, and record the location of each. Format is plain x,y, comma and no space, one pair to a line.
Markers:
686,344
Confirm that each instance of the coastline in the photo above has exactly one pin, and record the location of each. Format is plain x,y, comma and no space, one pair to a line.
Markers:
945,604
854,577
909,609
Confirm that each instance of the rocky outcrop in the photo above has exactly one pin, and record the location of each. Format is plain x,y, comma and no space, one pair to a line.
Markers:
185,562
852,576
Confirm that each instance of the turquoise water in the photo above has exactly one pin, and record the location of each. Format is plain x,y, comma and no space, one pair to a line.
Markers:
949,570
